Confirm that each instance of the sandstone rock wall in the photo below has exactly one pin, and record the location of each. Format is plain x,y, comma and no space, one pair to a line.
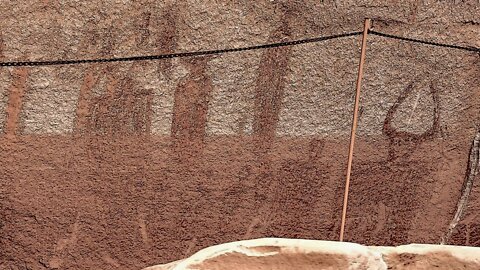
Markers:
126,163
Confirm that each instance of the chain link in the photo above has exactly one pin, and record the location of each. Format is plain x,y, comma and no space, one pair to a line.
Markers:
466,48
177,55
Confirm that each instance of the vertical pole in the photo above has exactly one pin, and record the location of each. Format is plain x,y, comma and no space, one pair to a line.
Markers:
354,126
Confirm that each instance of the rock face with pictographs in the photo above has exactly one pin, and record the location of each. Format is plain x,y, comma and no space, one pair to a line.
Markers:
133,164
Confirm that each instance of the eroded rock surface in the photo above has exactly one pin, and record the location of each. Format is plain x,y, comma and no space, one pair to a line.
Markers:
124,164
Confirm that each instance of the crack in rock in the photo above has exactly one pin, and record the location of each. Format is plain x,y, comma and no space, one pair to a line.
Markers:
472,171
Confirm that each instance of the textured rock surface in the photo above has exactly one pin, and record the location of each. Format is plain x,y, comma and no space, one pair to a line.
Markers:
286,254
121,164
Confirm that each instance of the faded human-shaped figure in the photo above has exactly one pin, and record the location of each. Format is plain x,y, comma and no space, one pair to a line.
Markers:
116,102
269,93
191,107
122,108
13,101
270,89
388,224
112,99
16,93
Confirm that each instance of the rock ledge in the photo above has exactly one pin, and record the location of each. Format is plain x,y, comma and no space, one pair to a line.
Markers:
283,254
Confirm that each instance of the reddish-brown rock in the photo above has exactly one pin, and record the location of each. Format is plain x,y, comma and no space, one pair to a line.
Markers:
126,165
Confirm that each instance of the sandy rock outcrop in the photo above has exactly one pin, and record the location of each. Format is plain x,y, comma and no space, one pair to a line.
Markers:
126,165
284,254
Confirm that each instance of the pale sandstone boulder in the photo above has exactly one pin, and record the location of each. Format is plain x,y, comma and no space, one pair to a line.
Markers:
283,254
439,257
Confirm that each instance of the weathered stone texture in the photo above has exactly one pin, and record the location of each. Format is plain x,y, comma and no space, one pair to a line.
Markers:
125,163
286,254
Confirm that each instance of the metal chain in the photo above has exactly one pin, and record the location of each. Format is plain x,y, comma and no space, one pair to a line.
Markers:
466,48
176,55
228,50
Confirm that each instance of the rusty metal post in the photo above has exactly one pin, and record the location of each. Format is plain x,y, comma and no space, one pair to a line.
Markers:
354,126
